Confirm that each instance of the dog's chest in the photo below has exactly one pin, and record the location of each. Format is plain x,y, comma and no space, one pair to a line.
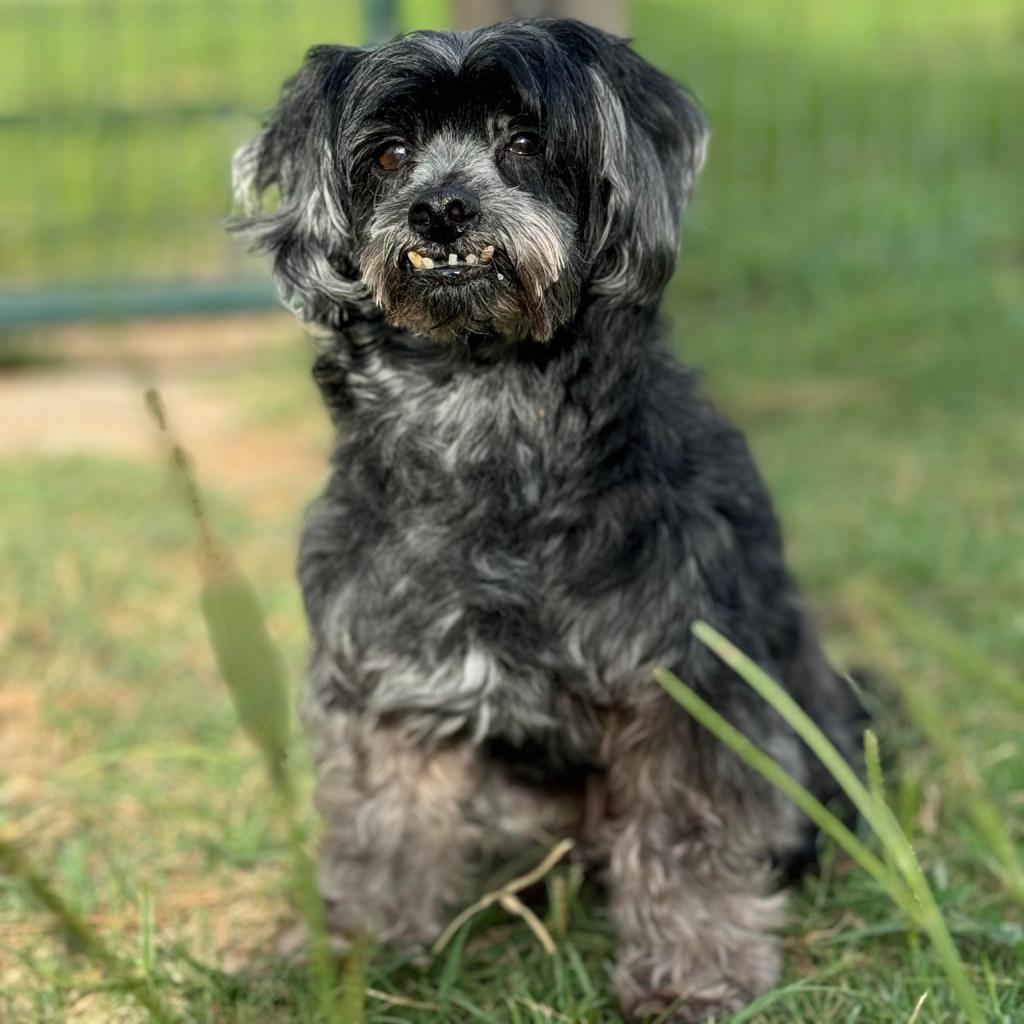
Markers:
469,436
463,604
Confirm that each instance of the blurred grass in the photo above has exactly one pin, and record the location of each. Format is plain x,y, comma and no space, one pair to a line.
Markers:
851,283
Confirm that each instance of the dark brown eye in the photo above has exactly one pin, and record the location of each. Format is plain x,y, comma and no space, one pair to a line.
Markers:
392,156
524,144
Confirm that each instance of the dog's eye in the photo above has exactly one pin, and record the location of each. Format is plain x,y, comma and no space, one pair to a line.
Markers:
392,156
524,144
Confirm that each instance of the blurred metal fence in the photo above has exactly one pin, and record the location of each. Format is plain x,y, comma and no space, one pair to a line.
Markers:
834,123
117,121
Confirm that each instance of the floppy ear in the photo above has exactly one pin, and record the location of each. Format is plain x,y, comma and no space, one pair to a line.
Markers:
309,233
653,140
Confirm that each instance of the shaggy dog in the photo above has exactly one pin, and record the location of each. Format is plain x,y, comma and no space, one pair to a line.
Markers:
530,502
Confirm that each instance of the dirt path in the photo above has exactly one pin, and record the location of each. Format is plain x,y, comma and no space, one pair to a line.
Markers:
85,397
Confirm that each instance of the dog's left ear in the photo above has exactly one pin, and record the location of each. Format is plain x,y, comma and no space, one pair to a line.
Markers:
653,140
309,234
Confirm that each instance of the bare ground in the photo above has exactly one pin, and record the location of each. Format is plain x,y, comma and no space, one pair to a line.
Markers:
88,399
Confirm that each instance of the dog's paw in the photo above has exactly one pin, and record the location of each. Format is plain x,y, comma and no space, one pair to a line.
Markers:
671,993
668,1007
292,942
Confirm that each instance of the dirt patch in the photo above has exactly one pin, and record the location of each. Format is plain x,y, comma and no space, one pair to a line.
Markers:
202,340
91,402
95,410
27,750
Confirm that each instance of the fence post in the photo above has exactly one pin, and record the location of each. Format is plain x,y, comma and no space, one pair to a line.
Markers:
607,14
381,20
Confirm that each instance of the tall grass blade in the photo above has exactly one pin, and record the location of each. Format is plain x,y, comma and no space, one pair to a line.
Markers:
353,982
922,908
873,766
254,672
798,719
757,759
250,664
147,935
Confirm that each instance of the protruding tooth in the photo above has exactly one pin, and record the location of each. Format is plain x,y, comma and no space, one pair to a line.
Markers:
428,263
501,277
452,259
487,254
415,258
471,258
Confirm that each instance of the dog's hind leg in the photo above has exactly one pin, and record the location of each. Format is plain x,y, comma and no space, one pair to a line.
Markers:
396,831
513,816
692,893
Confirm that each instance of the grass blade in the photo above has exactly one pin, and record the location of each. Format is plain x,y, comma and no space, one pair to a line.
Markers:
249,664
873,766
353,982
799,721
757,759
254,672
79,935
922,907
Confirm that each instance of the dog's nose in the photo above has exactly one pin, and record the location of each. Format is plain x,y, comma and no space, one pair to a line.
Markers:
442,214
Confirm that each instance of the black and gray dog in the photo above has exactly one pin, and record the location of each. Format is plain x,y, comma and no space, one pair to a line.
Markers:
530,502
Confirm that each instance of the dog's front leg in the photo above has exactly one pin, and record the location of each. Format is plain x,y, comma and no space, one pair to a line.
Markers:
691,898
395,828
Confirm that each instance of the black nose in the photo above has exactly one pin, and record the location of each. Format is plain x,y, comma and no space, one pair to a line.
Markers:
442,214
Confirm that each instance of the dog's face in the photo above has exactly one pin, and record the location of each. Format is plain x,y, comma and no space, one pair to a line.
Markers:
474,183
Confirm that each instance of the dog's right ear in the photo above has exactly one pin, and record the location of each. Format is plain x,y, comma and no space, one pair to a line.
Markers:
309,233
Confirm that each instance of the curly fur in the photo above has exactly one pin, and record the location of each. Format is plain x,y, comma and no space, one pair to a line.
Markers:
530,502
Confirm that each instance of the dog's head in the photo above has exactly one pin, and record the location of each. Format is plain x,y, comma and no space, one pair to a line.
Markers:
479,182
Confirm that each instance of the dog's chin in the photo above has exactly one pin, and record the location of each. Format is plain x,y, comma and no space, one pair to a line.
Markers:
444,316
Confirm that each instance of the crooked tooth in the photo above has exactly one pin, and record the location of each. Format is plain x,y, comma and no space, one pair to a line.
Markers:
501,277
415,258
428,263
487,254
471,258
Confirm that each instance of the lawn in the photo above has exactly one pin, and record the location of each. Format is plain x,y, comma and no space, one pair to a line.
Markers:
851,285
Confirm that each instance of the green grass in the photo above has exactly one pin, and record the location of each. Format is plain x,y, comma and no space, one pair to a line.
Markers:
851,285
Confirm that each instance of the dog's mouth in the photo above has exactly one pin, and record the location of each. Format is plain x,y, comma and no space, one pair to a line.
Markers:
436,266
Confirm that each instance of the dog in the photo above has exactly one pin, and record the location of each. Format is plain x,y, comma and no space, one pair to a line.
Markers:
530,503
